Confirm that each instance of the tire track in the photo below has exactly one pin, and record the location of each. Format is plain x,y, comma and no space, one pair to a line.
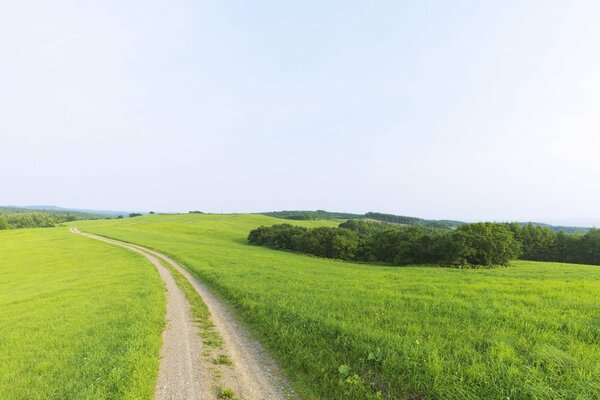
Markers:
181,373
254,375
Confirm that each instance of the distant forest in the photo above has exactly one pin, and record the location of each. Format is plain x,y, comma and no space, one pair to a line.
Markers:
16,217
541,243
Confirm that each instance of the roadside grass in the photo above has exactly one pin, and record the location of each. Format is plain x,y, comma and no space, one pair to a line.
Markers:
79,319
223,359
355,331
208,334
226,394
207,331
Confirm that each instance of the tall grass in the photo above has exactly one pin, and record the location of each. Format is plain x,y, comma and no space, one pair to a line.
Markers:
352,331
79,319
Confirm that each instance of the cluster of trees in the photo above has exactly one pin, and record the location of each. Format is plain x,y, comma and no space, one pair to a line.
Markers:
58,215
323,241
482,244
542,243
16,218
26,220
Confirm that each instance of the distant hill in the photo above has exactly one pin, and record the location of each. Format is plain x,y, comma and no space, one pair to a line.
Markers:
58,212
390,218
311,215
103,213
399,219
556,228
404,220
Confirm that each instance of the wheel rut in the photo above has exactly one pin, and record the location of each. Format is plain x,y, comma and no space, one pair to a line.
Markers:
187,368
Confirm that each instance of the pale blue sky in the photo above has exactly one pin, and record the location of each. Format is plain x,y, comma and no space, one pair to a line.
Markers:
466,109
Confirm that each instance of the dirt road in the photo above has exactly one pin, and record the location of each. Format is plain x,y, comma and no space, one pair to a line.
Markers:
187,370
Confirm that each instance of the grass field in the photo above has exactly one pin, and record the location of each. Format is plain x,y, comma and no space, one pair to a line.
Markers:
79,319
352,331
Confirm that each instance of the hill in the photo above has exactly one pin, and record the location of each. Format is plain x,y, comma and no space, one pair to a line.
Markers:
103,213
304,215
357,332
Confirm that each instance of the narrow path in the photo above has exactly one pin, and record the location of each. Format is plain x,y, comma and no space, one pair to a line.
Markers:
254,375
181,373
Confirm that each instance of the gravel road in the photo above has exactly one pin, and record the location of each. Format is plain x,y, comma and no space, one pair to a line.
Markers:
186,369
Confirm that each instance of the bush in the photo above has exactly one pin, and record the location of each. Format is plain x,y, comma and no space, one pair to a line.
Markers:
324,242
280,236
328,242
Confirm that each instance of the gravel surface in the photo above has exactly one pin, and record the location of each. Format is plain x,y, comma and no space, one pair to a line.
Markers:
186,369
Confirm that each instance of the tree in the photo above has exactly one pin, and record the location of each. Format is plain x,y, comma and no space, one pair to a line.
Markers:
344,244
567,248
3,223
486,244
590,246
258,236
30,220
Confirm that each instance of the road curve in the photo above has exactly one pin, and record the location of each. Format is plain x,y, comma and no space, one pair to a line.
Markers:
181,374
254,374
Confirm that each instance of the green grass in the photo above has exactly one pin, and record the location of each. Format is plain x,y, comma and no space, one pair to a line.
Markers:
79,319
223,359
353,331
208,334
226,394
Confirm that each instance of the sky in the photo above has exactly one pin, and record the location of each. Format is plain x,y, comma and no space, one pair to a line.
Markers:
464,110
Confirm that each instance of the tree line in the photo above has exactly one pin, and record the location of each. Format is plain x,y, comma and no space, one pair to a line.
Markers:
15,218
540,243
480,244
26,220
470,245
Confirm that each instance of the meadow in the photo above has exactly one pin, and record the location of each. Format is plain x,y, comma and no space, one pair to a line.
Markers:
355,331
79,319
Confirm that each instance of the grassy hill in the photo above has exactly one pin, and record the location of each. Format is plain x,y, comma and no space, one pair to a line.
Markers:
351,331
79,319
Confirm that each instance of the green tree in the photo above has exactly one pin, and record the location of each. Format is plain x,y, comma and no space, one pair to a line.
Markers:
486,244
3,223
590,246
344,244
